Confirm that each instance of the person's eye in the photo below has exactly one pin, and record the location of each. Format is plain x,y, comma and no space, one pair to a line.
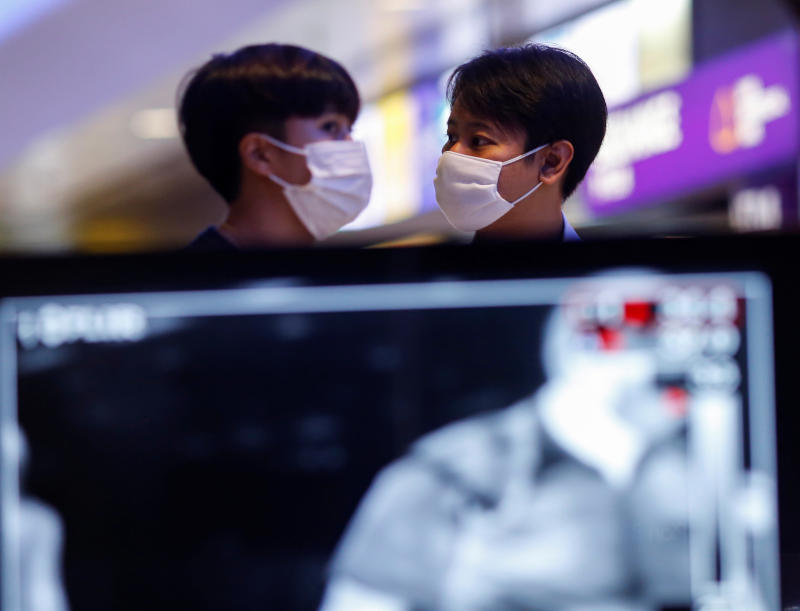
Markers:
450,140
334,128
479,141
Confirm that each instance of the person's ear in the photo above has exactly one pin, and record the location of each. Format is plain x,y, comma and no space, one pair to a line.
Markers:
556,161
256,153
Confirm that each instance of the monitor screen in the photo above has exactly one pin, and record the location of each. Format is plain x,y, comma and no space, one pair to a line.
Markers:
582,441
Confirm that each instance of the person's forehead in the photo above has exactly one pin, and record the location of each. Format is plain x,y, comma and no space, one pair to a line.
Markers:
461,117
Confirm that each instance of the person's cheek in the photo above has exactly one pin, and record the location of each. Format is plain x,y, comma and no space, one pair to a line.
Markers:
301,171
508,183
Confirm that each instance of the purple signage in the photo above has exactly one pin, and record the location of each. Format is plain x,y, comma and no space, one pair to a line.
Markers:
730,117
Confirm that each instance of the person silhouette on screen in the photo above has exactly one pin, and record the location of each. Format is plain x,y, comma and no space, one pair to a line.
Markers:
33,543
268,126
575,498
525,125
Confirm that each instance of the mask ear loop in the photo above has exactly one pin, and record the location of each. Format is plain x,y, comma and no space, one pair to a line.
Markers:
286,147
519,199
530,152
517,158
280,181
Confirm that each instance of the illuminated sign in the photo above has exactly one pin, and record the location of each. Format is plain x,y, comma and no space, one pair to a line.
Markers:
53,325
740,113
731,117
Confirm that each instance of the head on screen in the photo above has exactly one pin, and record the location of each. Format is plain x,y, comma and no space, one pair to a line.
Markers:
613,366
234,107
525,124
679,324
607,317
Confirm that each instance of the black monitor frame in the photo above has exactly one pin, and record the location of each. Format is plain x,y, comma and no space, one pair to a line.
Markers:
772,255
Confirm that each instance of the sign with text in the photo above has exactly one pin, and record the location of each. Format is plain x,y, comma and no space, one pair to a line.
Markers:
732,116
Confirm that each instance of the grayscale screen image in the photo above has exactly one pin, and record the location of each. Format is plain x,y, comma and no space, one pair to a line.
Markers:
593,443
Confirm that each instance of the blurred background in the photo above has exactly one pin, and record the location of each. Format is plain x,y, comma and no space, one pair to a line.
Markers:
703,133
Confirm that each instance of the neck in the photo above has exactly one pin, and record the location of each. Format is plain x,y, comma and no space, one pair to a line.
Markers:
262,218
538,216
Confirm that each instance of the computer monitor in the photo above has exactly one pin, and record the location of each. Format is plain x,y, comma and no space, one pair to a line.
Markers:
377,430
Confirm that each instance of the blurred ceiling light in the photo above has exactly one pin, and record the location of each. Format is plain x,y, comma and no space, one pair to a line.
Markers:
665,41
154,124
18,14
614,60
396,6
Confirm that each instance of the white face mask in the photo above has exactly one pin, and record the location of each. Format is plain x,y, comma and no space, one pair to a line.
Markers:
466,189
339,188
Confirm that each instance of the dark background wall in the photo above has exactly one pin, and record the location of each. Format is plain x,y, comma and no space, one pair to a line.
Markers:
720,26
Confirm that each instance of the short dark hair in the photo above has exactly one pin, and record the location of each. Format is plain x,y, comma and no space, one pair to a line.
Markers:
546,91
255,89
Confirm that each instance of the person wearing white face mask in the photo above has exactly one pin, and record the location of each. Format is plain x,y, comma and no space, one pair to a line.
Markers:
268,126
525,124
